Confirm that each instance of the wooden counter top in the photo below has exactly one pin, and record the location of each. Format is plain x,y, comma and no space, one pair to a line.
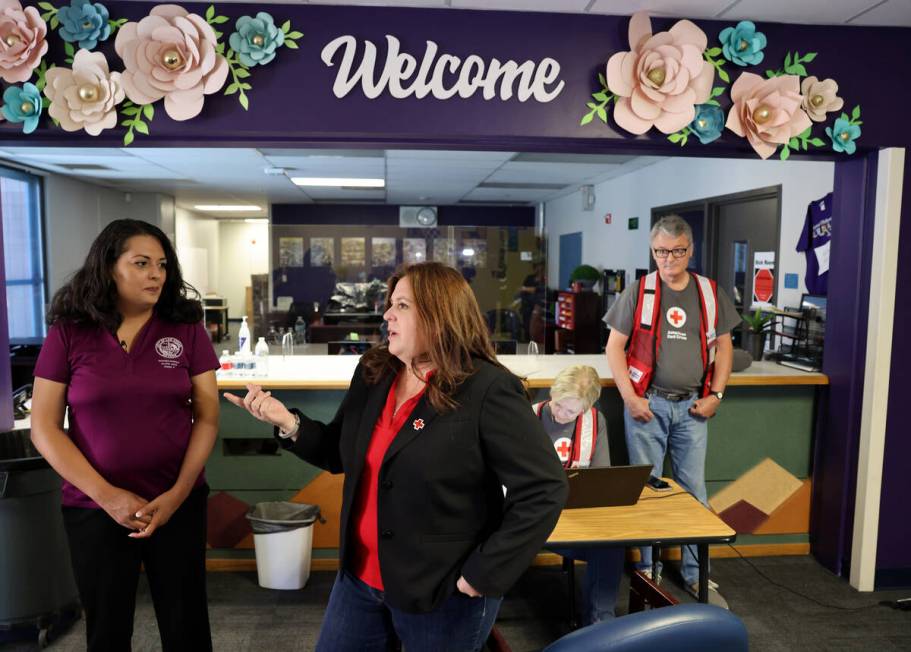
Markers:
334,372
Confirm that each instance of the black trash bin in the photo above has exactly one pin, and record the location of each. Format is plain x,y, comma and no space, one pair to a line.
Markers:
37,589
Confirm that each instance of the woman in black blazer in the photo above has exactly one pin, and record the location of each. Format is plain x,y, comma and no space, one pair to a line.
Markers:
451,485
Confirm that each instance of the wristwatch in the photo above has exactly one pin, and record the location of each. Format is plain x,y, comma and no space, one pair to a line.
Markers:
293,431
718,395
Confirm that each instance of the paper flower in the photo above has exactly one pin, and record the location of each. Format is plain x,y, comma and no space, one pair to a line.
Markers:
660,80
820,98
742,44
22,41
171,54
767,111
256,39
842,134
87,96
708,123
23,104
84,22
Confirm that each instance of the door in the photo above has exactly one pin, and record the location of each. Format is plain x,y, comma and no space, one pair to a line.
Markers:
743,227
570,256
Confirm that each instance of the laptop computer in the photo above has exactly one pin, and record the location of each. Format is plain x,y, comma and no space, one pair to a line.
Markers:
608,486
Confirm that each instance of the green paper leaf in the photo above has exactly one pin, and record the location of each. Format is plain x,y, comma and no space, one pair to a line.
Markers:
787,61
816,142
286,26
798,69
600,96
723,76
718,90
294,35
130,110
855,113
713,52
844,116
218,34
47,5
55,22
602,80
127,138
210,13
785,154
769,73
809,56
126,123
602,114
68,48
232,88
793,143
244,102
586,119
292,45
148,111
244,86
675,137
142,128
805,132
220,48
591,105
241,73
218,20
712,102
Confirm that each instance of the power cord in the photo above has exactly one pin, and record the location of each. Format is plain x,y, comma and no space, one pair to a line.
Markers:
811,598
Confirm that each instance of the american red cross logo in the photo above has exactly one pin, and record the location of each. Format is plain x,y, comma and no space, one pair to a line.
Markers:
563,446
676,316
418,424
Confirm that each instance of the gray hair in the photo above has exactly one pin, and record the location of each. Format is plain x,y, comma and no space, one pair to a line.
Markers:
673,226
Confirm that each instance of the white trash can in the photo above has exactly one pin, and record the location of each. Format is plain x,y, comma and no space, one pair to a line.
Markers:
283,538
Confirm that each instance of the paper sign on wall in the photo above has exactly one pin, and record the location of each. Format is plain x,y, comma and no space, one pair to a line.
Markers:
763,278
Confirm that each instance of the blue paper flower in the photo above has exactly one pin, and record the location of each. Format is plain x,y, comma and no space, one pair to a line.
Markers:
843,134
23,104
256,39
708,123
84,22
742,44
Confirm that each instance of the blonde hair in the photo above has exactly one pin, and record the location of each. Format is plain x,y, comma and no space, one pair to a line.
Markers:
578,381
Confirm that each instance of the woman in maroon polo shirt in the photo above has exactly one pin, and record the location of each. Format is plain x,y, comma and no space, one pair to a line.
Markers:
128,357
430,432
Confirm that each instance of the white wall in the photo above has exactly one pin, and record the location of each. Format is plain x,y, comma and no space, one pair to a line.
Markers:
74,214
243,250
678,180
197,242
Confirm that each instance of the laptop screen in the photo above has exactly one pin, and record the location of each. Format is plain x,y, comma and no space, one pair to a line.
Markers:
814,302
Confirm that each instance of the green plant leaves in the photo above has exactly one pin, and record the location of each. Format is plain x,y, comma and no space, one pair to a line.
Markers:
134,122
599,107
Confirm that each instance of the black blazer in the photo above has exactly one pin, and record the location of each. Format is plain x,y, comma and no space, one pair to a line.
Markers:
441,509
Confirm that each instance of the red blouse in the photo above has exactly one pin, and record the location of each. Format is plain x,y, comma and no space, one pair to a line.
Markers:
364,534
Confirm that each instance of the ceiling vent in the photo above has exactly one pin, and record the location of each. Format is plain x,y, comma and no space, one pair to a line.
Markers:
418,217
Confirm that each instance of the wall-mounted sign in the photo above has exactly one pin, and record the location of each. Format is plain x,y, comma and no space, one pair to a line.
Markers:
763,278
633,223
442,77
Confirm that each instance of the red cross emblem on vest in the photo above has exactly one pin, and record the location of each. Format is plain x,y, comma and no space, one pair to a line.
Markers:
418,424
677,317
563,446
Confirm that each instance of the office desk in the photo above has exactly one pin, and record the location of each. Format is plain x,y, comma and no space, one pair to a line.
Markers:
660,518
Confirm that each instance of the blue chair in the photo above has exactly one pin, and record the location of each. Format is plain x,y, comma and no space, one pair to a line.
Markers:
680,628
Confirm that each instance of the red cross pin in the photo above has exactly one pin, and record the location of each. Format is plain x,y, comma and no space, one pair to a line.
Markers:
418,424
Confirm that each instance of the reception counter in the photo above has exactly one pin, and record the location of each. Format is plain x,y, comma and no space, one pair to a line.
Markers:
760,445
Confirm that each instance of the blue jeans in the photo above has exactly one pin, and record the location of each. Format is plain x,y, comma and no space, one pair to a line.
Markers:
602,579
673,429
358,619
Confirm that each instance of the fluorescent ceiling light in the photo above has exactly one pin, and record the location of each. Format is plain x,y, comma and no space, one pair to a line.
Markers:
339,182
468,251
226,208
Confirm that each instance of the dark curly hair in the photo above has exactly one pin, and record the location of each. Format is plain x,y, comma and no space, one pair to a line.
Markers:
90,296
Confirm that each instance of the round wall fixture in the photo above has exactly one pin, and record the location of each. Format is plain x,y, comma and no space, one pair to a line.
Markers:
426,216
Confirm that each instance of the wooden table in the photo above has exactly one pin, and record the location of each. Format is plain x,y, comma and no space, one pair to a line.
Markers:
660,518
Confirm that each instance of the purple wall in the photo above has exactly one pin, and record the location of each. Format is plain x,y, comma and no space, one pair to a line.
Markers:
893,563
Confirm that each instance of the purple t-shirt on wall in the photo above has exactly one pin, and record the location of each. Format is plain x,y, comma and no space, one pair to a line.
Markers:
129,413
814,240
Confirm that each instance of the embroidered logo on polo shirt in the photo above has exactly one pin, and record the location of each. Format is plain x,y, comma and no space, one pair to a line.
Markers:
169,348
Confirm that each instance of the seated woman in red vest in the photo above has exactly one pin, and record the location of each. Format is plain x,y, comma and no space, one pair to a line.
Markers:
578,432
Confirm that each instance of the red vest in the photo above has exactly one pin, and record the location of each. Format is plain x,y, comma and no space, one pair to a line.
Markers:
645,341
583,446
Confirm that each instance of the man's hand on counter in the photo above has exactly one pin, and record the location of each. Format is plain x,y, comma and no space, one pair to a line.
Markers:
263,406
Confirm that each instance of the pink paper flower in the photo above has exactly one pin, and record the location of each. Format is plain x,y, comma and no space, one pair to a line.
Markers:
767,111
661,79
171,54
87,96
22,41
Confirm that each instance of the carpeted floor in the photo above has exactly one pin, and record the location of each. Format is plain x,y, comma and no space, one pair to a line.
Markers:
247,617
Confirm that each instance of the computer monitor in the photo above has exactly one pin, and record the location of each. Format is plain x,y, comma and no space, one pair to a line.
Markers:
814,302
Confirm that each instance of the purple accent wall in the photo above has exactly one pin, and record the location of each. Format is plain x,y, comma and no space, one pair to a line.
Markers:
292,101
893,562
6,379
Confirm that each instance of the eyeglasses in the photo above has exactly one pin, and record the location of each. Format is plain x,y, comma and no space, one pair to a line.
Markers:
679,252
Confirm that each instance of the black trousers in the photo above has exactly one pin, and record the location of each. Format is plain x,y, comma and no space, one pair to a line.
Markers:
106,563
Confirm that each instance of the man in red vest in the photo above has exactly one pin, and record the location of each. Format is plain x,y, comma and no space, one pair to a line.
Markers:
670,353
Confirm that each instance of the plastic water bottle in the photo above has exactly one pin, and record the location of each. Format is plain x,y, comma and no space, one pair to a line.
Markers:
262,357
300,330
243,337
226,364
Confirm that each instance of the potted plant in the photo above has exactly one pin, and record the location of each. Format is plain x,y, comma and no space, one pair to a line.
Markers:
586,276
755,329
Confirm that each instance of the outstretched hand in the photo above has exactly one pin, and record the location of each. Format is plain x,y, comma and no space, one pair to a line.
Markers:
263,406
